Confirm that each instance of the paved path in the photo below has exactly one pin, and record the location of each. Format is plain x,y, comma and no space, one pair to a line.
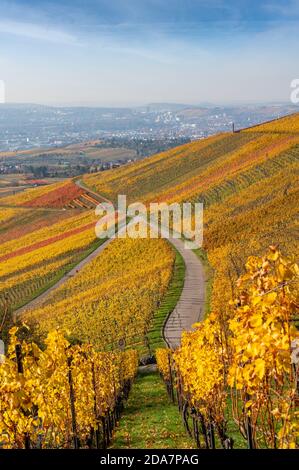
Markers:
38,300
190,307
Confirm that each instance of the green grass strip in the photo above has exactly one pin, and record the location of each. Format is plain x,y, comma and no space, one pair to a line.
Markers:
168,303
150,420
209,274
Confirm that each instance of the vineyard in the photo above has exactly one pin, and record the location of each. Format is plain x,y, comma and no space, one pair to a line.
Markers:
15,223
248,222
27,267
113,298
73,356
24,198
8,214
61,396
65,195
48,235
243,362
188,171
247,181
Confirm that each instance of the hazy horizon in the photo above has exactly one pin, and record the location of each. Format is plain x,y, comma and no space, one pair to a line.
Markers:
145,104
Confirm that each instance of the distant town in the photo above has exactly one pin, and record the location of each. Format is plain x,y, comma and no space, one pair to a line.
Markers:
54,142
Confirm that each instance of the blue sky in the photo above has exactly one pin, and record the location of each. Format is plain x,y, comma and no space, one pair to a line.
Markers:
120,52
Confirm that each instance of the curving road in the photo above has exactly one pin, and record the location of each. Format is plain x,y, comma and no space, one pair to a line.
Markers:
189,309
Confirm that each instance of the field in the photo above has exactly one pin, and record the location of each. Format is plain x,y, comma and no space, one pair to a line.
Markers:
12,184
66,194
193,169
107,302
248,182
232,375
31,261
74,153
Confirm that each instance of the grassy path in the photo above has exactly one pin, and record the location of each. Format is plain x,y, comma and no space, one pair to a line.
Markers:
150,420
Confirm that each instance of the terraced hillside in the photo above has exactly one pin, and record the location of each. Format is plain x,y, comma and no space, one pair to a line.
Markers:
248,182
113,298
38,253
44,234
190,170
66,195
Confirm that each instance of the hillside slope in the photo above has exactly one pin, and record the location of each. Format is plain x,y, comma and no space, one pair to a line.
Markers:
61,195
248,182
192,169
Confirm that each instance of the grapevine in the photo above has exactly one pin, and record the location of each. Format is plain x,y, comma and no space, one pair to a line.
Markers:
245,359
62,396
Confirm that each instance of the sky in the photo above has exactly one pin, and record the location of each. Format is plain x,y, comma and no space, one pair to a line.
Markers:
131,52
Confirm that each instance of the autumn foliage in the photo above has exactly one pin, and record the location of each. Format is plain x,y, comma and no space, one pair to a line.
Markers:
58,197
32,261
247,359
113,298
43,392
